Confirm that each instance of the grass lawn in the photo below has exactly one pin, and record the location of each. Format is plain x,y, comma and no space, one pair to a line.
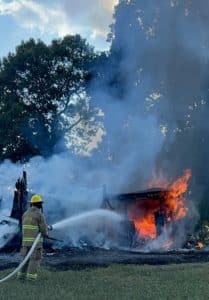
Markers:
116,282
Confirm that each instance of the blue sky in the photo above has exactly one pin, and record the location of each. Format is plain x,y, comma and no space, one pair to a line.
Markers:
49,19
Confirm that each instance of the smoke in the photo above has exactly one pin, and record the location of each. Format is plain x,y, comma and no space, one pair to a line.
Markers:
152,90
176,60
157,76
99,228
66,186
8,228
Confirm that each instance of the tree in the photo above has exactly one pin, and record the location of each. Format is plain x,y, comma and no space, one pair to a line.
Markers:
43,96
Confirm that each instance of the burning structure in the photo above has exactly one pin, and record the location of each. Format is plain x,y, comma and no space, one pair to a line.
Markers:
153,213
148,216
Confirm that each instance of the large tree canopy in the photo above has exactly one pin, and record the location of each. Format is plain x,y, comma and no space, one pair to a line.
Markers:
43,95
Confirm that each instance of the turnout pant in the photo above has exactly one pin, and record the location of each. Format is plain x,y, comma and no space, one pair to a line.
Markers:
30,269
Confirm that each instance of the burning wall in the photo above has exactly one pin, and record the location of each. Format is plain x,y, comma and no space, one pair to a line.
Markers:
171,204
155,212
143,219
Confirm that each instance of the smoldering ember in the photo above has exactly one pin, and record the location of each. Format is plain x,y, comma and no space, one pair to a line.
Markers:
113,140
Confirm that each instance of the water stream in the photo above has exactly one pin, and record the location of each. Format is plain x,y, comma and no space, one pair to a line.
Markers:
99,227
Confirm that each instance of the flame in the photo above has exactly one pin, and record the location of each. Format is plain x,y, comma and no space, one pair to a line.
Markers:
168,244
200,245
172,206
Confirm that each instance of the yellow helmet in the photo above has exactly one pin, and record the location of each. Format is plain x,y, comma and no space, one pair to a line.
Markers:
36,199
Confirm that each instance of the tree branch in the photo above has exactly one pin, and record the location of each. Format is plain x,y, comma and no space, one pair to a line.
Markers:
76,123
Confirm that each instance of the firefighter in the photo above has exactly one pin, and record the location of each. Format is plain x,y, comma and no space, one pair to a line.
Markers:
33,222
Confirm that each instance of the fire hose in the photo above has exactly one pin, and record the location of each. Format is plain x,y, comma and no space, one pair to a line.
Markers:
24,260
27,257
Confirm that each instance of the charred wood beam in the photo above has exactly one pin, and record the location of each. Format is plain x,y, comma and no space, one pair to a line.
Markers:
20,198
154,194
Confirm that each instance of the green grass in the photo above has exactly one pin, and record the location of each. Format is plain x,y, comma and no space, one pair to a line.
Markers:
122,282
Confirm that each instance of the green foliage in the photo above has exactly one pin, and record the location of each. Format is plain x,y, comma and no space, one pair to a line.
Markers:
39,86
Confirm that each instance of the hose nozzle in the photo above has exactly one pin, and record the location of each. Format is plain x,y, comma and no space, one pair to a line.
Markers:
50,227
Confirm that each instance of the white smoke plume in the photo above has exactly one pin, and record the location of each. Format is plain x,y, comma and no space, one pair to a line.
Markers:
102,228
70,186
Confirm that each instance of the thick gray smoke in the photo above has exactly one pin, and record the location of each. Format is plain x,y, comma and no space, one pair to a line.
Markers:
158,70
156,81
153,93
176,60
67,188
163,64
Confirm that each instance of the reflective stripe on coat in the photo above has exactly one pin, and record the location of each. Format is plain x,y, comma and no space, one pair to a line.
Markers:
33,222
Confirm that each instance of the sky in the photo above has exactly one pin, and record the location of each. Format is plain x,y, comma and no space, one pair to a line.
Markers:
51,19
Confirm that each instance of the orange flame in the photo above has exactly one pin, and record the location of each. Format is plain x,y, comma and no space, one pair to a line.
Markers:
200,245
175,200
168,244
172,204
